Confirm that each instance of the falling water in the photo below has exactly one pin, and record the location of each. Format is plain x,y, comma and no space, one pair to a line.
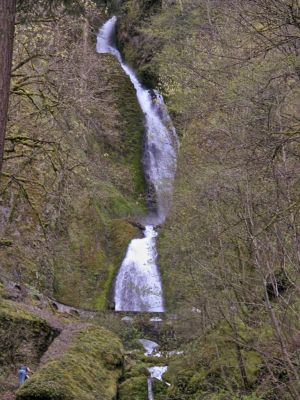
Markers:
150,346
138,285
155,373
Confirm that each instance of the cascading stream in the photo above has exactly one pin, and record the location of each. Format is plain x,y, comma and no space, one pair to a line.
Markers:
138,285
157,373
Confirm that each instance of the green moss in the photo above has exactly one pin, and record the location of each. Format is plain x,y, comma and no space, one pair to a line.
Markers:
134,389
23,336
11,310
125,147
112,203
88,370
152,360
94,248
211,365
136,370
102,299
120,233
160,389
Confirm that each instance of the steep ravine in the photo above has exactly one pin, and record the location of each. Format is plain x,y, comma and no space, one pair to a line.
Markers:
138,285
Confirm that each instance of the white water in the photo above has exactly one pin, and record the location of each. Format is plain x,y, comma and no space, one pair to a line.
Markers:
155,372
150,389
149,346
138,284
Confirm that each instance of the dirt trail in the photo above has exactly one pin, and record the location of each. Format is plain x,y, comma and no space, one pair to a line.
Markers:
66,328
62,342
8,396
56,322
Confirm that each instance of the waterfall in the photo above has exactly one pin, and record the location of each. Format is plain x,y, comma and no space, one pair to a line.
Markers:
138,285
150,389
155,372
150,346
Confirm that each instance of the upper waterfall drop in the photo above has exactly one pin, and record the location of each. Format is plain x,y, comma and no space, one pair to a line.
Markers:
138,284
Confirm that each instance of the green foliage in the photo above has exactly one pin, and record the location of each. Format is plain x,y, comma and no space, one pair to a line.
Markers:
228,247
90,368
134,389
159,389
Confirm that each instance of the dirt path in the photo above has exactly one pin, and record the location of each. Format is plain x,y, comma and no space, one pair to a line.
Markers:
67,330
56,322
8,396
62,342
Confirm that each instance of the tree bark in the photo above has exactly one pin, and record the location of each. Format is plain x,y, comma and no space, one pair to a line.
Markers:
7,30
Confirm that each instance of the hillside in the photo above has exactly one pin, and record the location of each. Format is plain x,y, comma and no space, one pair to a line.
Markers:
72,174
229,252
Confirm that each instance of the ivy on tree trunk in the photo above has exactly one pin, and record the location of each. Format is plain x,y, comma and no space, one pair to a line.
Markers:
7,28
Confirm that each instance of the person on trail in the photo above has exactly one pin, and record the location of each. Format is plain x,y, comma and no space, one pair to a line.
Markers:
23,374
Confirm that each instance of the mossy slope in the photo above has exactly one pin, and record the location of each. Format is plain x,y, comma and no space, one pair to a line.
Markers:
23,336
137,46
134,388
89,370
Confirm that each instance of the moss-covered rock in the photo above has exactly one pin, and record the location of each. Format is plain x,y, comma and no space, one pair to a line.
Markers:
136,370
93,250
160,389
23,336
135,388
88,370
137,46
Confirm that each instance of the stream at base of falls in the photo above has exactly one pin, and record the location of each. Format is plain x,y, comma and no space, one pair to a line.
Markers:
138,286
156,372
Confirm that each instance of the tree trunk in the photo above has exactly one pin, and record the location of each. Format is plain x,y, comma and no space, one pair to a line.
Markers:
7,29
